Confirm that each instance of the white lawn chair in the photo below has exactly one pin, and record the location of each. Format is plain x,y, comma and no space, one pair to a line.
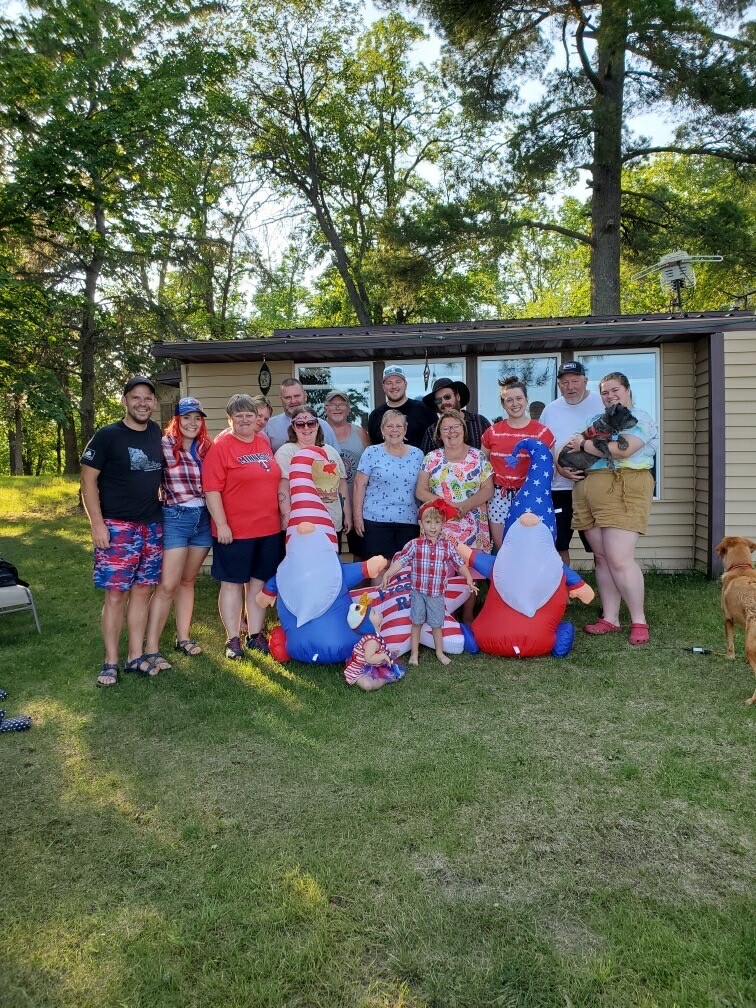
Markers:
16,598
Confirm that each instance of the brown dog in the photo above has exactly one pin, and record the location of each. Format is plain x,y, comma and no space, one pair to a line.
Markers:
739,595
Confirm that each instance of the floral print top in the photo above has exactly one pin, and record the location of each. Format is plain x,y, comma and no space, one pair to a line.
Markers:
455,482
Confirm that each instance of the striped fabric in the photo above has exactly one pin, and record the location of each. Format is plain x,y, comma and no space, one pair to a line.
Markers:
306,506
393,604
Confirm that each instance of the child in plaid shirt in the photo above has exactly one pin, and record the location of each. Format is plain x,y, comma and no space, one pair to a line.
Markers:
432,558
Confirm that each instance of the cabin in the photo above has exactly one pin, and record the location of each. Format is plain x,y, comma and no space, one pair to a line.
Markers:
694,372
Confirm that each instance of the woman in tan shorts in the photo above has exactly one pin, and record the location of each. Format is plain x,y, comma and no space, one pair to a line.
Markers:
612,507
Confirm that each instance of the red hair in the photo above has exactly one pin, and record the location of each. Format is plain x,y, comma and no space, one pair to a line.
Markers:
202,440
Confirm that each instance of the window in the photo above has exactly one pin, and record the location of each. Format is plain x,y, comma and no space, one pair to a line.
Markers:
413,372
354,380
641,367
538,374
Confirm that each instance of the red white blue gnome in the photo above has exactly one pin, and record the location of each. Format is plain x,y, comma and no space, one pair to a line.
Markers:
529,586
311,585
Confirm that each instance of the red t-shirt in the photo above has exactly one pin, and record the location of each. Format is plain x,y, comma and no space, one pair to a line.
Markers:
247,476
501,439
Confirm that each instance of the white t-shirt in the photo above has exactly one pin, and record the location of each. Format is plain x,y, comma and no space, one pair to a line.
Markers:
564,420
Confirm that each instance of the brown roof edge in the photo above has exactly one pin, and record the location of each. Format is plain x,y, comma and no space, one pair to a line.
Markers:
360,343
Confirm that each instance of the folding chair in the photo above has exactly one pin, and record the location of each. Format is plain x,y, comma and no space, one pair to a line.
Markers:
16,598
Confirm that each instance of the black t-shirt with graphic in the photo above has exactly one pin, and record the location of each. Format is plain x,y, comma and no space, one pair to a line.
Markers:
130,464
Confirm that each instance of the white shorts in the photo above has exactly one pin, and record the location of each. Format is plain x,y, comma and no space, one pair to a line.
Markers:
499,505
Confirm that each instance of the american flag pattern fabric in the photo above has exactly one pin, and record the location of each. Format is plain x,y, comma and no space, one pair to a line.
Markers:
534,496
393,604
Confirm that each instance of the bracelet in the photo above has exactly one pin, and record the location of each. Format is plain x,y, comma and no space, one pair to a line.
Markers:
582,444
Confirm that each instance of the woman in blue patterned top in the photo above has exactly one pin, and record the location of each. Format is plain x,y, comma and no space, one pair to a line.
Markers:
383,498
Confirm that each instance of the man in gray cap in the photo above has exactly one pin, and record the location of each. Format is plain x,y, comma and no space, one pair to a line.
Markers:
564,417
419,417
449,394
121,473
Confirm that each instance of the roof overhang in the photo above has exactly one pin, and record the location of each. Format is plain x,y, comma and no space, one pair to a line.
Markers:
459,339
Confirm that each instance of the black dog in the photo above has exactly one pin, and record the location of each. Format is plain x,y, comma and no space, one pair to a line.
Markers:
617,418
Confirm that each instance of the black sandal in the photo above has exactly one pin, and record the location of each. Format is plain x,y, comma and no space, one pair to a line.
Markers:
109,671
160,662
135,667
185,647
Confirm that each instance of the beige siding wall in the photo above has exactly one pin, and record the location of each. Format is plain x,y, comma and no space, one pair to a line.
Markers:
740,433
669,543
701,455
214,384
673,541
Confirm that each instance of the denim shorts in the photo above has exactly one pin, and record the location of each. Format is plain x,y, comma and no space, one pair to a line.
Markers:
186,526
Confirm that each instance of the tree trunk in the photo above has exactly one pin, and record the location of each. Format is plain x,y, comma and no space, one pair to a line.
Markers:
606,169
16,437
88,332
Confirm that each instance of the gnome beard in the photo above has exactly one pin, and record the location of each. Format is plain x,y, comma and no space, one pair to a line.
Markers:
528,569
309,578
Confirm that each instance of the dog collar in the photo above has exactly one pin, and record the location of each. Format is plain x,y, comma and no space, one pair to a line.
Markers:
736,566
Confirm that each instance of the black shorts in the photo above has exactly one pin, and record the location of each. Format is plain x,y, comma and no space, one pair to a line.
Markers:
562,501
355,544
387,538
244,559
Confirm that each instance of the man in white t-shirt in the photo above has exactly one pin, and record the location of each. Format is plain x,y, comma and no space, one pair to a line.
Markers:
564,417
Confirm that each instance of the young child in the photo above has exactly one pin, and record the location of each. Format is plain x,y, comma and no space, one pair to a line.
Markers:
431,558
372,664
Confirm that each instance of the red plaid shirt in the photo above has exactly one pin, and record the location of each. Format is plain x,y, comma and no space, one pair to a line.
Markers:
431,564
182,480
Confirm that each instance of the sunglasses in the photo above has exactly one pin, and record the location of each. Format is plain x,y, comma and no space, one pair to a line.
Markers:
444,398
305,424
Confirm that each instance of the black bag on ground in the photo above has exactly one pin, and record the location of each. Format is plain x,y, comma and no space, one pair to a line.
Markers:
9,575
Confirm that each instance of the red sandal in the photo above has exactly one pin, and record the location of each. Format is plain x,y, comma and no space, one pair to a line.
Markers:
602,626
639,633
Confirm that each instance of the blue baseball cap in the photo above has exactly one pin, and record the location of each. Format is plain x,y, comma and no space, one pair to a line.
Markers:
393,370
189,405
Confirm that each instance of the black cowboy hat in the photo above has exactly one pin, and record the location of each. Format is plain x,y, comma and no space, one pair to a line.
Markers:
441,383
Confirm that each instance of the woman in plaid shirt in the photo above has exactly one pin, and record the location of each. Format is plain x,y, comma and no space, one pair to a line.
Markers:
186,528
432,559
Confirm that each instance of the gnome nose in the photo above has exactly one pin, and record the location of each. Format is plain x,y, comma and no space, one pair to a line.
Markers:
304,528
529,520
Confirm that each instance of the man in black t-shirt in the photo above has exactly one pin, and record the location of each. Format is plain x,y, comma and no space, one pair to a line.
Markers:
121,473
419,417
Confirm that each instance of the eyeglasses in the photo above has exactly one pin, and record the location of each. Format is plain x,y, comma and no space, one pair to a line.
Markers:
451,430
305,424
444,398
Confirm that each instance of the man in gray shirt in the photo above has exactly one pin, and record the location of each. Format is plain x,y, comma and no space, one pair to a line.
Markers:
277,428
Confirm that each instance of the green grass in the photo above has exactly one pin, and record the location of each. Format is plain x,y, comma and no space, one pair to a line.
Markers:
540,833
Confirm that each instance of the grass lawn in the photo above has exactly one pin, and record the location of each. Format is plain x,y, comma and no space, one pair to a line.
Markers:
571,833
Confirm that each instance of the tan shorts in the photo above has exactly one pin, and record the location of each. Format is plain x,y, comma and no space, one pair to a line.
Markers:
619,499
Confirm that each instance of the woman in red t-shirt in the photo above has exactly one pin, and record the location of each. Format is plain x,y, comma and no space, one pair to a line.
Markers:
240,478
499,441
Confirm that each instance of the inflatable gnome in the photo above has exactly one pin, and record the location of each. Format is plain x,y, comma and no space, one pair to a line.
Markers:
311,585
529,586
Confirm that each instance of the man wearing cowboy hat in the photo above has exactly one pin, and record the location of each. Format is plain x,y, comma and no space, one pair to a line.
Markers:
448,394
417,414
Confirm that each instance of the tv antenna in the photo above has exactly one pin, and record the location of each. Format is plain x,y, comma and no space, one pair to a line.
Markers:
676,272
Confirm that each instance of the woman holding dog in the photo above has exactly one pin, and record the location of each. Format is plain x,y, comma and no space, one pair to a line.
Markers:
612,506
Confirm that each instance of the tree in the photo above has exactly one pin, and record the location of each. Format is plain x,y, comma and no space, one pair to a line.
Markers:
344,129
621,58
89,93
